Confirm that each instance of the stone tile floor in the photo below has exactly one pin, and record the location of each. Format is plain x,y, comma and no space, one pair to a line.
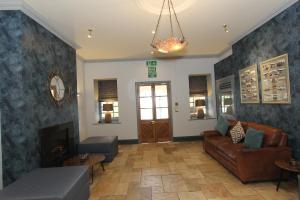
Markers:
177,171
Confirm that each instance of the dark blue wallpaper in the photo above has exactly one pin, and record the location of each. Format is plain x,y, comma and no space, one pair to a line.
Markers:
28,54
278,36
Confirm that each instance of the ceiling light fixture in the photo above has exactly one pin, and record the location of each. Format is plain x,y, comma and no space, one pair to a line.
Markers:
90,33
226,28
172,43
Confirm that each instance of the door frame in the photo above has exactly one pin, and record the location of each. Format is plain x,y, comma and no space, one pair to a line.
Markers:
137,84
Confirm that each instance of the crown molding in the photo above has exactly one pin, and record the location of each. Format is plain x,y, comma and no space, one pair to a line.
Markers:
80,57
262,22
209,56
224,54
29,11
10,4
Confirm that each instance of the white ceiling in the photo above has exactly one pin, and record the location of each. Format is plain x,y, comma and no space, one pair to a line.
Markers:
122,28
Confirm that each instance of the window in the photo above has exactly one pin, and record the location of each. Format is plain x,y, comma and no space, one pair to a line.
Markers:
198,99
225,92
108,101
114,112
193,107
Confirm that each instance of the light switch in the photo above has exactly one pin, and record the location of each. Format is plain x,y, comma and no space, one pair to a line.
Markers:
176,107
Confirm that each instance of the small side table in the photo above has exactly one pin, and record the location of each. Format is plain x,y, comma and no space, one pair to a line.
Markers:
285,165
91,161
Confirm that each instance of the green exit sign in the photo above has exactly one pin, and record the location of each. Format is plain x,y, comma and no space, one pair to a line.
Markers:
151,64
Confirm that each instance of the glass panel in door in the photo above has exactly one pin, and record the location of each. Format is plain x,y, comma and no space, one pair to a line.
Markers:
161,102
146,102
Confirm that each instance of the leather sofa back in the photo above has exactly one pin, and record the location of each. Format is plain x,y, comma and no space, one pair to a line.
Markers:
272,136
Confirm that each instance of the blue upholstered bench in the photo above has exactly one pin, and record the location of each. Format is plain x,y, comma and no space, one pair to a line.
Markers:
61,183
299,184
107,145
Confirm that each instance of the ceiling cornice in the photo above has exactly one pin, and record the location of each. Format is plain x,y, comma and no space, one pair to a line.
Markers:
153,58
10,4
275,13
25,8
224,54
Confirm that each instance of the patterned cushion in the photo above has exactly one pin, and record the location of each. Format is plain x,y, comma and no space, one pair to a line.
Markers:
237,133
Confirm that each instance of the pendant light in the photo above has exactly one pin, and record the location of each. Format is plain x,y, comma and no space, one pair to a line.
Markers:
173,43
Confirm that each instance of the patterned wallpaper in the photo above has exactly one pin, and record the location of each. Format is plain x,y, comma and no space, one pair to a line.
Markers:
28,54
278,36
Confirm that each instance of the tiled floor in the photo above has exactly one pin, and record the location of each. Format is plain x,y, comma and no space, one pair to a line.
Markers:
177,171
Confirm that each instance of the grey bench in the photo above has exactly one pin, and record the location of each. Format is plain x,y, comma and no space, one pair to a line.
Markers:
62,183
299,184
107,145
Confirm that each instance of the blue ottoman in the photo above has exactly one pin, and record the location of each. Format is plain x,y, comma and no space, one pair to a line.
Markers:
61,183
107,145
299,184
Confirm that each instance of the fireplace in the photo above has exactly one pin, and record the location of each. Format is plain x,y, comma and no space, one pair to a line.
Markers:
57,143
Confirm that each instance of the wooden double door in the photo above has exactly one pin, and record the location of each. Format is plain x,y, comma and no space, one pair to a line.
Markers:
154,112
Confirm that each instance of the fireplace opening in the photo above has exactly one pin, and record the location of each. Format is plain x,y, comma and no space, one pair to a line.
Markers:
57,143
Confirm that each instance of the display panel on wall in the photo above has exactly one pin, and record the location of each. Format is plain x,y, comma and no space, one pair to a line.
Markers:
249,84
275,80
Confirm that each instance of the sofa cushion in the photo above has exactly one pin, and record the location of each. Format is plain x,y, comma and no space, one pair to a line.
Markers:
272,136
237,133
254,138
222,126
225,147
232,123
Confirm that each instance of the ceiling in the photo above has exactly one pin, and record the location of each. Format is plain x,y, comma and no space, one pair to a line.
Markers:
122,28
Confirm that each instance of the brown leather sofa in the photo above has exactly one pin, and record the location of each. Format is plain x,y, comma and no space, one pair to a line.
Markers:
249,164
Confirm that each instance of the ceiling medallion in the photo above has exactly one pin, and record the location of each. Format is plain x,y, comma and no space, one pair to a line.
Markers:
173,43
154,6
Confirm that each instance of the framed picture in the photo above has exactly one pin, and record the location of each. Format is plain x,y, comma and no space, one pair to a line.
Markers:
249,85
275,80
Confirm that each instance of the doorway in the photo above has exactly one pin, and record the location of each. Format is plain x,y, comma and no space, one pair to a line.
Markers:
154,112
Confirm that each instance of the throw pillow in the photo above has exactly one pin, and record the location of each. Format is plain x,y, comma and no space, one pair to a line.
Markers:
237,133
222,126
254,138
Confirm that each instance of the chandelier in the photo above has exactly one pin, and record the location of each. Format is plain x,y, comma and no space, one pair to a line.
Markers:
172,43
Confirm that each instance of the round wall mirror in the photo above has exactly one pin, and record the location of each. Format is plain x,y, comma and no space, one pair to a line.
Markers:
57,88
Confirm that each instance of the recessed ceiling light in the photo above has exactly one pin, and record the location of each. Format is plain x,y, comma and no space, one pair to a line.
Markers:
153,31
226,28
90,33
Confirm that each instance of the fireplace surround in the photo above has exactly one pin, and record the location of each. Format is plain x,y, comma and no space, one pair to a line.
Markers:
57,143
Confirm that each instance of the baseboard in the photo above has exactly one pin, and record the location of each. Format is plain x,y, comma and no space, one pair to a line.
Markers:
133,141
175,139
187,138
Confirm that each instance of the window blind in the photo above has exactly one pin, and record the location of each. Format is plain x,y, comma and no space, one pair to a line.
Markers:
225,86
108,90
198,85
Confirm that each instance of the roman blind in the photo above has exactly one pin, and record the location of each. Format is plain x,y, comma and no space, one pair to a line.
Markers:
225,86
108,90
198,85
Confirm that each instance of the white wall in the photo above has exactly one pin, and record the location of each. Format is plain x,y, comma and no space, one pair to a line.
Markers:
130,72
80,98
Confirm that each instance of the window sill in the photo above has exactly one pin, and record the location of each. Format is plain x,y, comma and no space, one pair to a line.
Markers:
102,123
205,118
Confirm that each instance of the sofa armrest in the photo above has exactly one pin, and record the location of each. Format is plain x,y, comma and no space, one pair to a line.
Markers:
253,163
211,133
